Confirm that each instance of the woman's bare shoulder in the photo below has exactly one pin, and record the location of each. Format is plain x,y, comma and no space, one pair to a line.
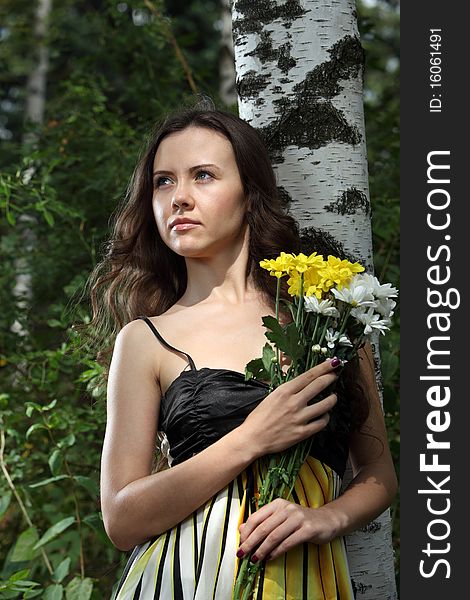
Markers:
135,340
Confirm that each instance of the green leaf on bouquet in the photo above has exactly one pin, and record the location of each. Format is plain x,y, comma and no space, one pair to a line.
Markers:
268,355
286,338
273,325
276,333
255,370
296,349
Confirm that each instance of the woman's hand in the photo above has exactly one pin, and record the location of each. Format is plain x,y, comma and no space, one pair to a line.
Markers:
285,417
280,525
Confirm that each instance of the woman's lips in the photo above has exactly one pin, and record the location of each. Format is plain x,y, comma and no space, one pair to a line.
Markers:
184,226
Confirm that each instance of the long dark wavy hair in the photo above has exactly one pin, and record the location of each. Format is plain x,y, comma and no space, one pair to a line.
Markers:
140,275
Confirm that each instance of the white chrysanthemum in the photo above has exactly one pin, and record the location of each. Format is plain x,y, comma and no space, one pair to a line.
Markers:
320,307
344,341
385,307
331,337
381,291
357,293
371,320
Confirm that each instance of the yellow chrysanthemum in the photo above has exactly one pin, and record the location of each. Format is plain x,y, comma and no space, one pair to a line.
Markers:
278,266
312,281
337,272
309,266
294,284
319,275
301,263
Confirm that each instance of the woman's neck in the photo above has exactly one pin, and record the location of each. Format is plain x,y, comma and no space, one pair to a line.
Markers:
220,277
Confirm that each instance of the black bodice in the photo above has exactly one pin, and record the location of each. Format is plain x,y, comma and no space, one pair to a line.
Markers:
202,405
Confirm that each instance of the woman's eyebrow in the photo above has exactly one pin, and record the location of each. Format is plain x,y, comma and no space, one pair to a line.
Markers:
191,169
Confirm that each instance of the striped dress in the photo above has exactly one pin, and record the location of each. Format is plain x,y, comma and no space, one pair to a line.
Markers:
196,559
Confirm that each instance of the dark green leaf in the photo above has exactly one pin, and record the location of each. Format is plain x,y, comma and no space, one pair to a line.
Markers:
19,575
5,503
62,570
89,484
33,428
23,549
255,368
31,407
53,592
49,480
55,461
268,355
67,441
79,589
49,217
54,531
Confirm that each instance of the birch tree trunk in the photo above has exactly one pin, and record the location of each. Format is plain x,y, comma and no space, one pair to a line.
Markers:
299,68
34,114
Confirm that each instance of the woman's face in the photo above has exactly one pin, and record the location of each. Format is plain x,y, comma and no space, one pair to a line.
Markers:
196,177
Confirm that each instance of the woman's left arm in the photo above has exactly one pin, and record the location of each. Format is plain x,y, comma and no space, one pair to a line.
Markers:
281,525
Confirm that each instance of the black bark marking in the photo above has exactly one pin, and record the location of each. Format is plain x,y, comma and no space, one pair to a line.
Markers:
265,52
308,118
361,588
259,13
346,62
285,61
351,201
372,527
251,84
322,242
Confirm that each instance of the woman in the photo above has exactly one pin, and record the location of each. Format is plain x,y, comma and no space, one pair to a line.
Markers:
182,281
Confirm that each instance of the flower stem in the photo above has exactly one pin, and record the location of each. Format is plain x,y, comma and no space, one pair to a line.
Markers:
278,365
301,299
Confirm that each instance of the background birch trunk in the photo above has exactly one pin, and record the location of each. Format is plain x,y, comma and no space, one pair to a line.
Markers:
227,75
34,115
299,68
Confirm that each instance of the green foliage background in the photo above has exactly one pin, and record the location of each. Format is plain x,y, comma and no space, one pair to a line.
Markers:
113,71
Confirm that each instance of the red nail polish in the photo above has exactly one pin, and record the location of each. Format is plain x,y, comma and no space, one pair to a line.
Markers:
335,362
254,558
240,553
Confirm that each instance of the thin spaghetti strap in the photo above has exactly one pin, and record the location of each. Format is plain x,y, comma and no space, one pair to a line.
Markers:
165,343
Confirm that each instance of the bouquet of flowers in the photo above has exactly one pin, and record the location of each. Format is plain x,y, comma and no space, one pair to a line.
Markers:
335,307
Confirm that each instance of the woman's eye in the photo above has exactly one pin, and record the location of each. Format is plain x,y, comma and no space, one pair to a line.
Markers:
159,181
204,173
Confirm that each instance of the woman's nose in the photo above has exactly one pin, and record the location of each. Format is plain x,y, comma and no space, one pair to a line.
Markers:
181,196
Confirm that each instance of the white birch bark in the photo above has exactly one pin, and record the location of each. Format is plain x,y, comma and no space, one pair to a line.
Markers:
34,113
299,71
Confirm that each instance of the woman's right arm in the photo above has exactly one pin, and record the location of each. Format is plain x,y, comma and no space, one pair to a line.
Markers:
137,504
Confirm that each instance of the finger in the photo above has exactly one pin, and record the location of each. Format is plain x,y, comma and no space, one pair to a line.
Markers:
298,383
312,389
275,539
256,518
318,409
296,538
261,532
